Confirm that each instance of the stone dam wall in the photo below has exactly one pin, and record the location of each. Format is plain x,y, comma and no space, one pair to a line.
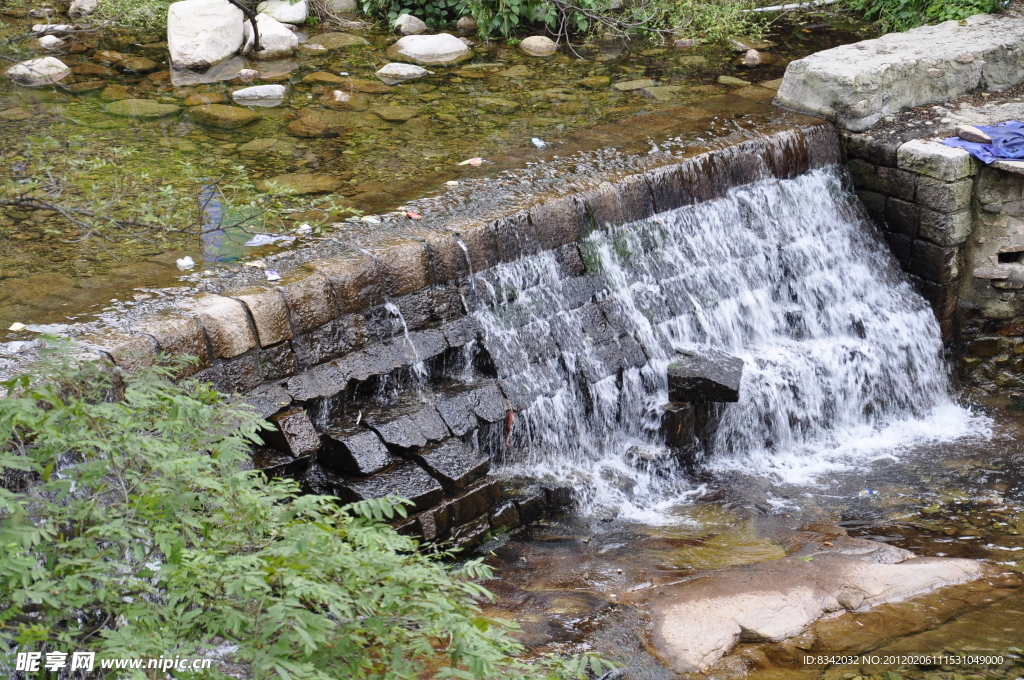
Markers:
373,366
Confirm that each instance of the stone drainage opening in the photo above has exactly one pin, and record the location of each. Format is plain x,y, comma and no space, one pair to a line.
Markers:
1010,258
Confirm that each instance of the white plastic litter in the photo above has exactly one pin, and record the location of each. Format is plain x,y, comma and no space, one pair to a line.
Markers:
272,275
539,143
185,263
304,229
268,239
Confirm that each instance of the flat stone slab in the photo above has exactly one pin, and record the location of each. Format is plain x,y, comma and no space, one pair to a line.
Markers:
703,377
697,622
856,85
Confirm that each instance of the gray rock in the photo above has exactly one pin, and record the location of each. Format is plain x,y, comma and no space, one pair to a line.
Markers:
141,108
401,432
201,33
857,85
392,74
969,133
408,481
50,42
277,41
455,464
538,46
285,11
260,95
708,376
82,8
466,24
339,41
362,453
430,49
295,433
37,72
407,24
629,85
936,160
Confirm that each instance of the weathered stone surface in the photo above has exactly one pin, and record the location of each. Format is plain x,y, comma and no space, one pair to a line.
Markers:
223,116
400,433
456,464
343,100
295,433
277,361
277,41
407,24
856,85
475,502
226,324
969,133
309,300
630,85
698,622
200,98
430,49
408,481
338,41
82,8
472,533
403,264
141,108
457,412
260,95
902,217
269,313
558,221
130,352
360,453
505,516
318,123
285,11
538,46
331,340
201,33
704,376
37,72
532,503
392,74
945,229
394,114
137,65
357,281
935,160
935,263
318,382
268,399
944,196
177,336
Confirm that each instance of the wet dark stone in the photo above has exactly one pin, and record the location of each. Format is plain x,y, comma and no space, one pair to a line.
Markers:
568,257
706,377
322,381
516,236
901,246
457,412
415,308
934,263
559,221
361,453
377,359
445,302
475,502
278,361
275,464
213,374
411,526
455,464
317,481
330,340
430,424
902,217
295,433
269,399
505,516
678,425
241,374
579,290
408,481
400,433
525,387
558,497
874,204
491,404
472,533
461,332
532,505
428,343
874,151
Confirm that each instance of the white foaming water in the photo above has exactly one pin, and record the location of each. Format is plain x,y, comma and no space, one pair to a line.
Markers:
842,359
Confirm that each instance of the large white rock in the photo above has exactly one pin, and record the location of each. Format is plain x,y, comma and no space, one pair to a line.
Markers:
260,95
538,46
856,85
285,11
36,72
407,24
430,49
51,42
392,74
82,8
276,39
201,33
696,623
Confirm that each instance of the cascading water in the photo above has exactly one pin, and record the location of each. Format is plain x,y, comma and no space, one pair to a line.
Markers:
843,360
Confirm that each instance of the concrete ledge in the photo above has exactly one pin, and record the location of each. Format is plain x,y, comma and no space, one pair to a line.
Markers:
856,85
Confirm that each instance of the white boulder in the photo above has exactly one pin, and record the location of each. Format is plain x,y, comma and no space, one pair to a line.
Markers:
260,95
276,39
343,6
393,73
407,24
538,46
285,11
50,42
201,33
82,8
430,49
36,72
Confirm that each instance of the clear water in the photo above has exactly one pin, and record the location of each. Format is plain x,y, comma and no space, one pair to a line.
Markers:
843,360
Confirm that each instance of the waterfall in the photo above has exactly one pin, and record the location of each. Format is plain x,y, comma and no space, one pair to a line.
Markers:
843,359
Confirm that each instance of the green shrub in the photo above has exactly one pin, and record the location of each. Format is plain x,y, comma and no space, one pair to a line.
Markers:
900,15
129,527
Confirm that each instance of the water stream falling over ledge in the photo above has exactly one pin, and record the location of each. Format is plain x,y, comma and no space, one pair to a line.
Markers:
843,360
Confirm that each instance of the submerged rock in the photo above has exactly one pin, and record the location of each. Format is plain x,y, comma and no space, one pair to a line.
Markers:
337,41
430,49
494,105
141,108
395,114
222,116
392,74
201,33
37,72
276,39
595,82
630,85
301,183
313,124
260,95
200,98
407,24
285,11
340,100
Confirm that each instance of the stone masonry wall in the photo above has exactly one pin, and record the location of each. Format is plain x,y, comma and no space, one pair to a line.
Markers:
361,360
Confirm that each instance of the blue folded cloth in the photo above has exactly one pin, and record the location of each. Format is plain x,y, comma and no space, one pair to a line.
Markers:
1007,142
